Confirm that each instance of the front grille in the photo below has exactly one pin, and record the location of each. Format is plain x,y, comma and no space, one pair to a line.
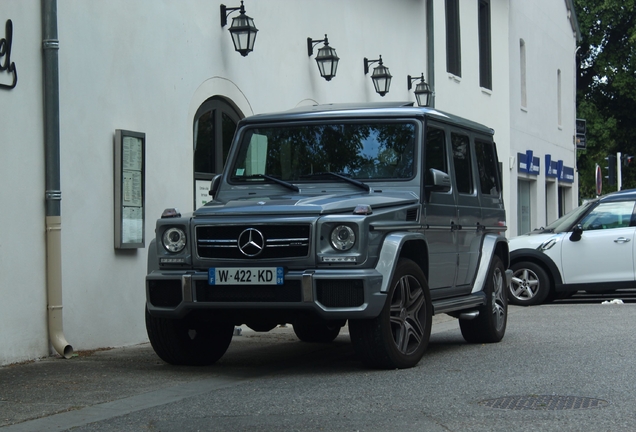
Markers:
289,292
279,241
164,293
340,293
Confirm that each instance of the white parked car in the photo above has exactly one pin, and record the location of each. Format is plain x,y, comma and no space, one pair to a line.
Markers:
591,248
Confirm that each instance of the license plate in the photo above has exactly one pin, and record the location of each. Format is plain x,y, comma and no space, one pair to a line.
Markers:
246,276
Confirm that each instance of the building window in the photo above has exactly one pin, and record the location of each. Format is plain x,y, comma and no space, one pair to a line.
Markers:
214,126
453,44
522,66
485,53
559,113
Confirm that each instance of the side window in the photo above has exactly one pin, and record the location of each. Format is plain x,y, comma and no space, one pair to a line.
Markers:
461,160
487,166
436,150
609,215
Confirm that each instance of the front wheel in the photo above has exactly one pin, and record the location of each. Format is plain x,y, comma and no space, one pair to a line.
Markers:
490,325
188,341
398,337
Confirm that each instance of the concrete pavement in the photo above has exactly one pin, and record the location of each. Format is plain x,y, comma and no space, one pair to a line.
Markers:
563,348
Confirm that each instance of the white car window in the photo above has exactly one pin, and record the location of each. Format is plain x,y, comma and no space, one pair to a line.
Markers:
609,215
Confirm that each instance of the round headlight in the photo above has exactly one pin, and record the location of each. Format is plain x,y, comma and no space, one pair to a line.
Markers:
174,240
343,238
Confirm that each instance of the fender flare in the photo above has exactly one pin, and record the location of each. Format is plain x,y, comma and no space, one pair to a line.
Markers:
390,252
489,245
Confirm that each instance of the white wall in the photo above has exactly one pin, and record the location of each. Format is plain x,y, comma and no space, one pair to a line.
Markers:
22,254
147,70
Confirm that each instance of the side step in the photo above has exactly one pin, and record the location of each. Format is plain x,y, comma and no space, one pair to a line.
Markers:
471,301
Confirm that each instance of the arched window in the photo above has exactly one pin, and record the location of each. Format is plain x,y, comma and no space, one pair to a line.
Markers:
214,126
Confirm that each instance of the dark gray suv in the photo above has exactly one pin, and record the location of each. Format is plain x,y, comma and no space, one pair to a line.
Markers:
376,215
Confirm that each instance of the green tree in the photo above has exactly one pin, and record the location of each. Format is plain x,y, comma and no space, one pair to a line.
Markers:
606,87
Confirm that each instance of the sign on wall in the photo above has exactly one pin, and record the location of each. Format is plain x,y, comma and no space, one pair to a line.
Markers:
581,132
8,72
130,150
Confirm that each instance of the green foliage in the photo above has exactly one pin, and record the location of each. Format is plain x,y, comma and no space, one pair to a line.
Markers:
606,87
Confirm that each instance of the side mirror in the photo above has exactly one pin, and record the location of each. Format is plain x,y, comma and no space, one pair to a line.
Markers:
437,181
577,232
214,185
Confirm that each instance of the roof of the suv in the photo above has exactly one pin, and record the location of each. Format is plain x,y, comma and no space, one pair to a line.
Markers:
373,109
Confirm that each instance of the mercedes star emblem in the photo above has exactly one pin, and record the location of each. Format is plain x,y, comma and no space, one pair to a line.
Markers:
251,242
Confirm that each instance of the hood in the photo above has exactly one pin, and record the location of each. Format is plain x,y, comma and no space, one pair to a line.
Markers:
306,205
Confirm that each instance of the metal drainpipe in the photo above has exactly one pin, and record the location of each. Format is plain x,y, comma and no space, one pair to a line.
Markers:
53,194
430,50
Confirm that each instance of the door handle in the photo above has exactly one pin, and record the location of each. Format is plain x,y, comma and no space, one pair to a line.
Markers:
621,240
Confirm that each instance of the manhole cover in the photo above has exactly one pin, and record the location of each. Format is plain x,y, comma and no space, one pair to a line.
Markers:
543,403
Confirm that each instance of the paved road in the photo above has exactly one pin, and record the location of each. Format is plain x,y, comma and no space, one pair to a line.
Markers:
569,366
583,297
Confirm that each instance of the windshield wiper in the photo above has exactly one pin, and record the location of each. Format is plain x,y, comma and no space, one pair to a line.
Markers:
354,182
272,178
279,181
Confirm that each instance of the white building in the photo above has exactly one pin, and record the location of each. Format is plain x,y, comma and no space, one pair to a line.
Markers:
542,160
168,69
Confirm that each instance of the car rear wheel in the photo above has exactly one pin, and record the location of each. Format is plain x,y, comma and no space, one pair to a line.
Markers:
490,325
530,284
188,341
399,336
312,329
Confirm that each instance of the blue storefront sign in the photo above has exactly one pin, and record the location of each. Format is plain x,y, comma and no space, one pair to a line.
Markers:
528,163
556,169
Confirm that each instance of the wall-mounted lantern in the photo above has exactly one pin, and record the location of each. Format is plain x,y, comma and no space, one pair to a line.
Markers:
380,76
243,30
326,59
422,91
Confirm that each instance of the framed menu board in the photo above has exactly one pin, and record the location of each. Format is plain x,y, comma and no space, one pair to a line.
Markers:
130,156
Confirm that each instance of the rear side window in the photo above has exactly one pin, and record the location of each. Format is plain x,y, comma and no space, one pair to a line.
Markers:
461,159
436,150
487,166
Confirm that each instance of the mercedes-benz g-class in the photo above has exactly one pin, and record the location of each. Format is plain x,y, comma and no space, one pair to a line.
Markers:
376,216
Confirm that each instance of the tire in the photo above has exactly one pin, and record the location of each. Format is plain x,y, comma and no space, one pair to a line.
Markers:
187,341
530,284
399,336
490,325
312,329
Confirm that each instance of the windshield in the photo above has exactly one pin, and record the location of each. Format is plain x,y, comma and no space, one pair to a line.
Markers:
321,152
564,223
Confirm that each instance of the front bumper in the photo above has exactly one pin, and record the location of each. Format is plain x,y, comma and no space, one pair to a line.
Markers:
332,294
